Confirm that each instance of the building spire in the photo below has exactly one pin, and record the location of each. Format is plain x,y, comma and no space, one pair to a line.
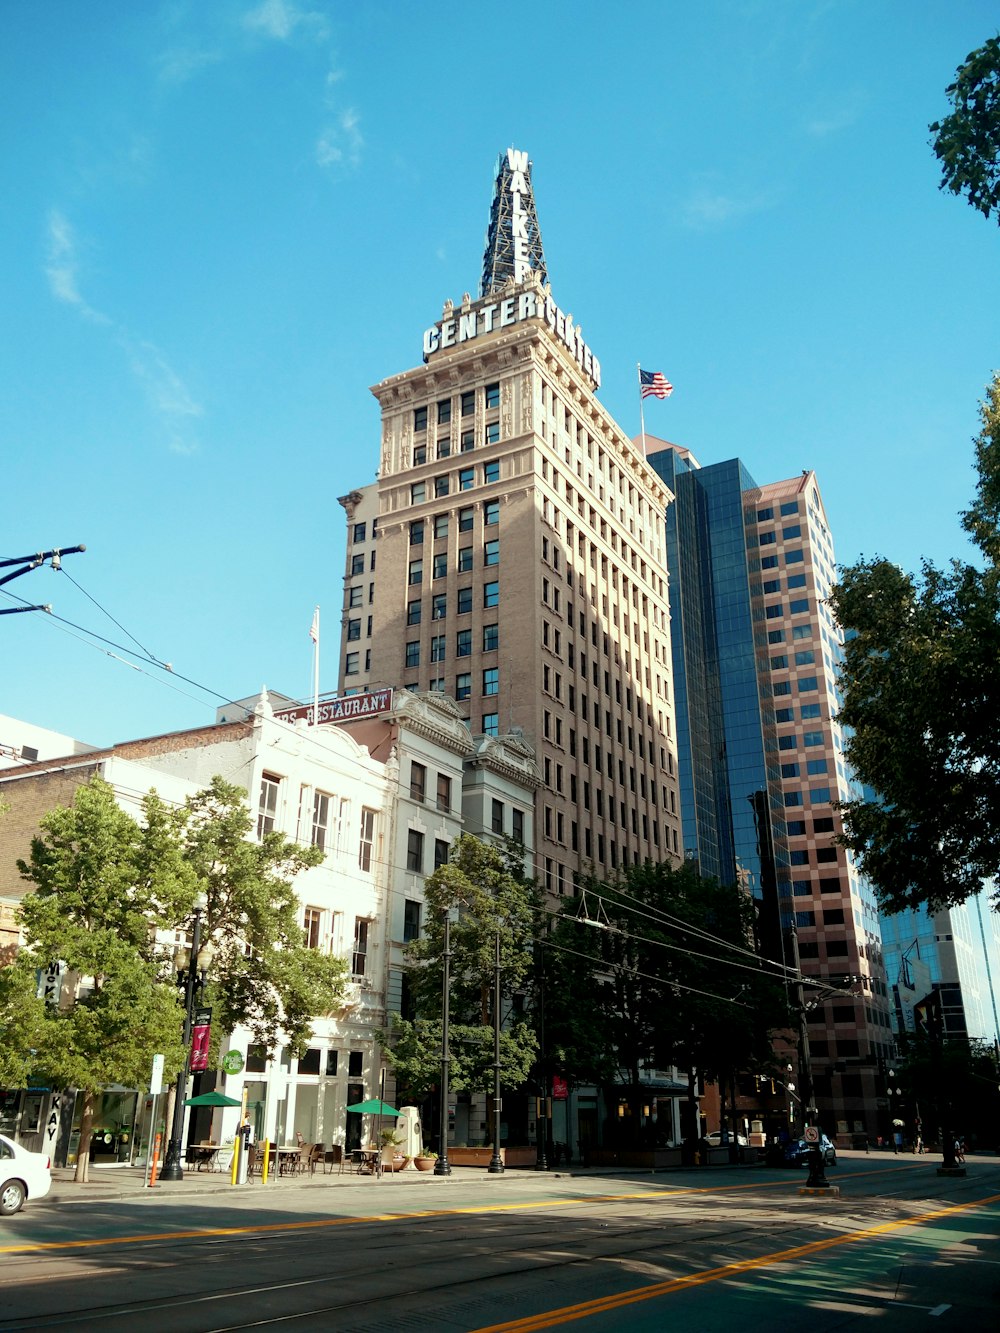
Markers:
513,240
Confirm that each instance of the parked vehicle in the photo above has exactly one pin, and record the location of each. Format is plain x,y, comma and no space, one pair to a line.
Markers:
797,1152
716,1140
23,1175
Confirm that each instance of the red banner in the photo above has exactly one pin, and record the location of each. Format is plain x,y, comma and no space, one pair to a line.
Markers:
201,1036
560,1089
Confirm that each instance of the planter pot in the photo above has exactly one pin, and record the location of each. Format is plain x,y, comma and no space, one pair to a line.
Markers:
424,1163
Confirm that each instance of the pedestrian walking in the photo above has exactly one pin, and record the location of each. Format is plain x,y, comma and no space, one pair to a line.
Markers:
960,1150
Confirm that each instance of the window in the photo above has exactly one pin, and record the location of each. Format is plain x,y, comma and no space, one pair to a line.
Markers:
826,855
320,819
466,478
768,538
774,611
805,657
436,686
793,798
367,838
799,606
415,850
439,606
769,562
267,805
492,392
782,687
444,447
443,793
491,594
809,710
353,630
491,512
779,661
491,681
789,770
463,643
411,920
417,532
465,519
438,648
468,403
492,435
357,564
776,636
823,825
360,956
418,781
816,766
440,526
799,857
789,507
496,820
807,683
331,1063
764,514
351,663
419,454
312,926
416,572
420,418
491,638
812,738
413,653
440,565
444,411
793,530
517,825
491,553
491,724
413,613
833,916
796,581
467,441
441,486
795,826
463,685
464,559
784,715
418,492
786,742
464,601
355,1064
819,795
772,585
440,853
794,557
354,595
802,631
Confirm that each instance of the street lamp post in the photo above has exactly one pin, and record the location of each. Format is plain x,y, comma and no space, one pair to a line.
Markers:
172,1169
442,1167
496,1161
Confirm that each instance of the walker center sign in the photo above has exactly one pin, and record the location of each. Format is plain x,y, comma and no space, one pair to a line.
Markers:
348,709
490,316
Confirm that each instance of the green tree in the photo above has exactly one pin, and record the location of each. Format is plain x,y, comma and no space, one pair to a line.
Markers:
967,143
261,974
920,682
489,899
104,884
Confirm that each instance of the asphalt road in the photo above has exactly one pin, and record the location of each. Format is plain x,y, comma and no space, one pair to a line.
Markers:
701,1250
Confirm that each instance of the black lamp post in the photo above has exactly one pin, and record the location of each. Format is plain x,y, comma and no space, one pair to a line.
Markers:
496,1161
442,1167
172,1169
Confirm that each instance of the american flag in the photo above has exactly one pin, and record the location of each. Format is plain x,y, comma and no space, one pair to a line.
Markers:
653,384
314,627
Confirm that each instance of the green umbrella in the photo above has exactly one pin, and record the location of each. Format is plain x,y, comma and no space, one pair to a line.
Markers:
375,1106
212,1099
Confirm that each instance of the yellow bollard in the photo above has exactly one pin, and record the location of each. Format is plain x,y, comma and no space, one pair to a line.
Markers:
264,1164
237,1145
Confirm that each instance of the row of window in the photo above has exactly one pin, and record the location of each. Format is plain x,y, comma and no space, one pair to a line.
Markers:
466,443
466,406
439,563
806,712
774,585
418,787
787,508
465,518
463,647
464,480
359,531
817,796
439,606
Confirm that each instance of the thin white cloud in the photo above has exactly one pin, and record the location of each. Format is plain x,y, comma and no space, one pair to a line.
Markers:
841,115
706,209
280,19
166,393
340,143
181,63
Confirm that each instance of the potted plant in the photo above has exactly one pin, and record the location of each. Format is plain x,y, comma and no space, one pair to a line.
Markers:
391,1155
424,1161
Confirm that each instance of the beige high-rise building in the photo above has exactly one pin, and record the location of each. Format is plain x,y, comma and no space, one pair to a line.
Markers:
520,548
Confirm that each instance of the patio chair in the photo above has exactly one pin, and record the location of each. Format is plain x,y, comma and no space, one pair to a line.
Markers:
333,1157
315,1157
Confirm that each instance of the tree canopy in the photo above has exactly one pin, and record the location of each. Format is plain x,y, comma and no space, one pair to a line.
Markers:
967,143
920,682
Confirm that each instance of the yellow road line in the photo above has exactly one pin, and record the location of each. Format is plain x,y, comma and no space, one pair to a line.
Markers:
669,1192
567,1314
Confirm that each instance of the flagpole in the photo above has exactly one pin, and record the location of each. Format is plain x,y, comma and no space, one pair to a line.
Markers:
316,671
642,419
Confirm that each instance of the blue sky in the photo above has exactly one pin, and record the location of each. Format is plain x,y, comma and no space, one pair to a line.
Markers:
220,223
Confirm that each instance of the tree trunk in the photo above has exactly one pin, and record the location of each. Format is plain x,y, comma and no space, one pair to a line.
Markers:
82,1173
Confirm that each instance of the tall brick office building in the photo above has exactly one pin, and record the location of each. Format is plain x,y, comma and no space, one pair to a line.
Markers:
520,565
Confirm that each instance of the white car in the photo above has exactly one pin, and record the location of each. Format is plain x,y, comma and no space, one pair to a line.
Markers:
716,1140
23,1175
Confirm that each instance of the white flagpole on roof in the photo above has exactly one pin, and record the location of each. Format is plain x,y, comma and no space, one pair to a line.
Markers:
642,419
314,635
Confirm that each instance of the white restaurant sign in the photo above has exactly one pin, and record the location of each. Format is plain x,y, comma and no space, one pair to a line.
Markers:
349,708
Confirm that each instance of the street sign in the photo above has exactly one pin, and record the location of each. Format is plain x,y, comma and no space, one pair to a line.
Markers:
811,1134
156,1077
